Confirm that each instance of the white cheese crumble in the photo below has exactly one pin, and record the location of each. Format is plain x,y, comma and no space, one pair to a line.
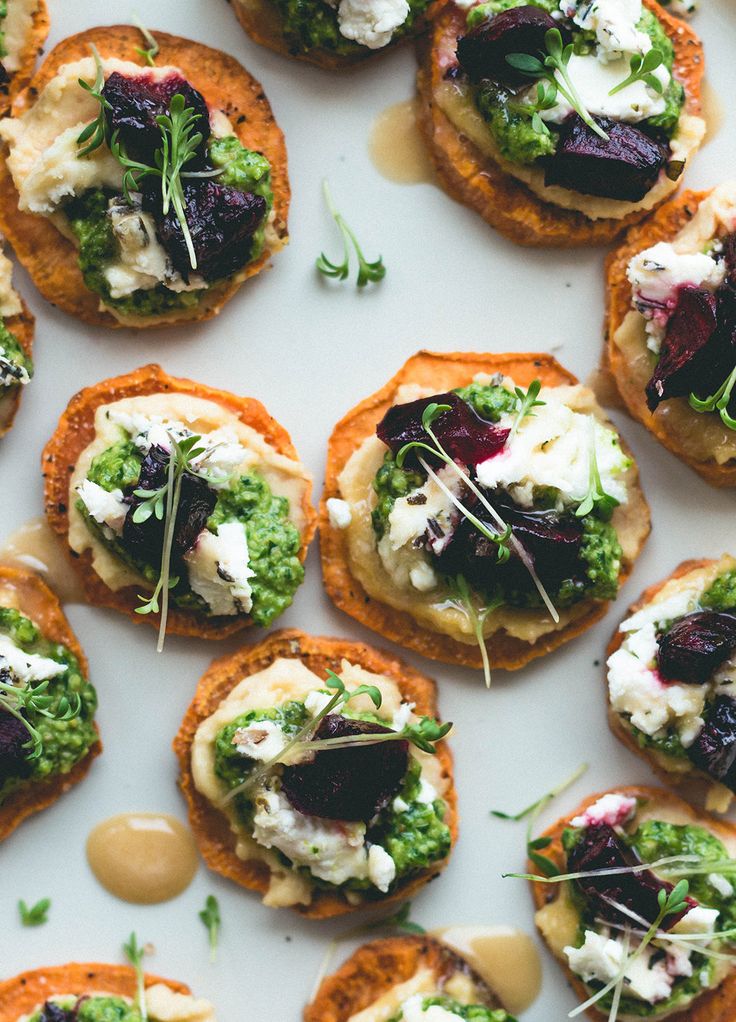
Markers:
614,23
27,667
412,1010
262,740
720,884
600,959
371,23
167,1005
594,81
10,303
698,920
612,808
12,374
426,512
219,571
105,506
339,513
16,27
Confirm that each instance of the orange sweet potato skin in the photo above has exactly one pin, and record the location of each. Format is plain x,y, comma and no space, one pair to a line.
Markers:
76,431
21,994
22,326
50,258
211,828
717,1005
31,51
440,371
503,201
34,598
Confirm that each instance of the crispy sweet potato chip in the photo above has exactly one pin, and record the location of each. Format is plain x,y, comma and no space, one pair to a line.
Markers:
503,201
717,1005
21,994
441,372
25,591
28,57
51,259
22,326
76,431
211,828
377,967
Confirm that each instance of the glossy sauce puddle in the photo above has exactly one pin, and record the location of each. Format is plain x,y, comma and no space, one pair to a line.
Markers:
714,111
505,958
35,547
397,148
144,858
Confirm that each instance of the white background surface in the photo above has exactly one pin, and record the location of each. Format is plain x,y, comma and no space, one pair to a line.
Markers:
310,351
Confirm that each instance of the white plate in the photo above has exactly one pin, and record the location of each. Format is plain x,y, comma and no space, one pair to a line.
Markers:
310,351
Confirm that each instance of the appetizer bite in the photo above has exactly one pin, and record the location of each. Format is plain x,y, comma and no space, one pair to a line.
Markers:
405,979
48,737
331,33
672,676
561,121
315,773
479,509
671,291
24,25
637,904
137,195
92,992
16,345
180,505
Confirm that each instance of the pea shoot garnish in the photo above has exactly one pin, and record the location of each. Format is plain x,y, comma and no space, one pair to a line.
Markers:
477,617
149,54
35,915
546,98
95,134
641,71
134,953
719,401
210,916
527,403
19,700
553,67
367,272
596,498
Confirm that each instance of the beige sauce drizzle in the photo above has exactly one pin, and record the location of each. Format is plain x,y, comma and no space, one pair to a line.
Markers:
714,111
144,858
603,385
396,146
36,547
505,958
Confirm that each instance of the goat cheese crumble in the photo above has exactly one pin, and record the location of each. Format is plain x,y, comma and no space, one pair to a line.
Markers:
371,23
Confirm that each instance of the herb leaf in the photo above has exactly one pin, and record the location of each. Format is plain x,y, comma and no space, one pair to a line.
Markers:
135,954
719,401
641,70
596,498
37,914
367,272
527,402
210,916
150,54
477,618
15,699
95,134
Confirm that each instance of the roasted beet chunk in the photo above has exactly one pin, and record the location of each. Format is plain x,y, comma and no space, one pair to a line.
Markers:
687,353
624,167
55,1013
14,738
347,784
482,52
714,750
196,503
601,848
135,103
696,646
461,431
222,221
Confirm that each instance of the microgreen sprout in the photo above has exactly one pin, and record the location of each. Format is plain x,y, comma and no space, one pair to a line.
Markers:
477,617
149,54
422,735
134,953
210,916
641,71
596,498
546,98
527,401
19,700
37,914
554,67
719,401
95,134
367,272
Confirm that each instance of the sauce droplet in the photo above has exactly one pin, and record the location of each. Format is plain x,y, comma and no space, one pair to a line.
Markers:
144,858
714,111
505,958
397,148
34,546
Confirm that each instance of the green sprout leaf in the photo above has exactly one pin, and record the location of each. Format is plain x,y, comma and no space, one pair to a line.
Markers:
37,914
719,401
527,402
641,71
134,953
367,272
149,54
210,916
596,498
95,133
22,699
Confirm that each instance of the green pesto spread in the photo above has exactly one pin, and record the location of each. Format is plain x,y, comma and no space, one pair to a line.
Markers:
721,595
273,540
96,1009
87,215
414,837
3,16
469,1012
65,742
313,25
15,366
509,120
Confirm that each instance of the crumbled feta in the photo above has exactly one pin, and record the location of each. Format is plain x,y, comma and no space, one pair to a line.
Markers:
381,868
10,303
371,23
402,716
614,23
316,702
262,740
27,666
426,512
339,513
427,792
612,808
594,81
600,959
219,571
11,373
107,507
412,1010
423,577
167,1005
553,448
719,883
698,920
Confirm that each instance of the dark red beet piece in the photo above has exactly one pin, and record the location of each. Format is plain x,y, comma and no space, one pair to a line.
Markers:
482,52
14,738
461,431
624,167
600,847
689,348
55,1013
347,784
222,221
696,646
196,504
135,102
714,750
